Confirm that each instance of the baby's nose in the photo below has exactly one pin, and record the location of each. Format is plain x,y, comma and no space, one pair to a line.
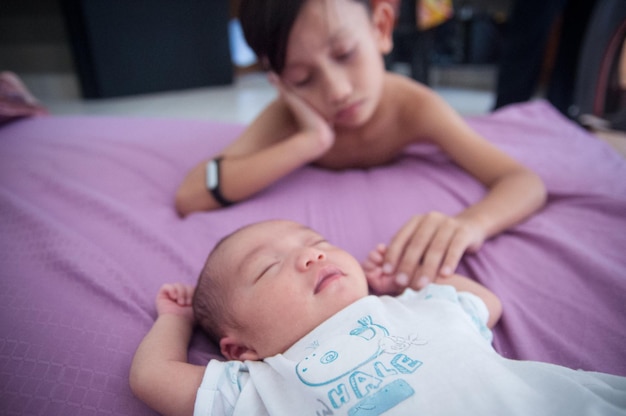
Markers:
313,258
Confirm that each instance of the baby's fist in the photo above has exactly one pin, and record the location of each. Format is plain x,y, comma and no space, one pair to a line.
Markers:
175,298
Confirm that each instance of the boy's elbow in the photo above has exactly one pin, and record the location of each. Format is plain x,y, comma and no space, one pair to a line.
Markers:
186,202
540,190
181,203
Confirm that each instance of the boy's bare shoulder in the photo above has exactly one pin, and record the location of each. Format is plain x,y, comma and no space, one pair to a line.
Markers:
402,88
410,101
418,108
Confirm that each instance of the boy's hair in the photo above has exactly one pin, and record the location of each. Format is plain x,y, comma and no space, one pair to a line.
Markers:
266,26
212,297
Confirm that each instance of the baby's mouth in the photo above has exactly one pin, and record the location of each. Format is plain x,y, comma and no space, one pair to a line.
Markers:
326,276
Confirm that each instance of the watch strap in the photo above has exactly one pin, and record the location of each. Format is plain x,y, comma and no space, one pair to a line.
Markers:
213,181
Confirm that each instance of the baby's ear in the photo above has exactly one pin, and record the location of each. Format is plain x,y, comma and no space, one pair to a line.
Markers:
384,20
233,349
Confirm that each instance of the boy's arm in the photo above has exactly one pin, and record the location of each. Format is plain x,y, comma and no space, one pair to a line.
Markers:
429,244
463,284
160,375
287,135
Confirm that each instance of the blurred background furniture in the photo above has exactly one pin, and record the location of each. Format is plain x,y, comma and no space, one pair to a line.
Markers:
601,82
129,47
469,39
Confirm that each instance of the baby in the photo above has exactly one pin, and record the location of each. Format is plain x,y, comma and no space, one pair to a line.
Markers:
292,315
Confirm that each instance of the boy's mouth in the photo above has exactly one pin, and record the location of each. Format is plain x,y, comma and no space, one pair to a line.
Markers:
348,112
326,276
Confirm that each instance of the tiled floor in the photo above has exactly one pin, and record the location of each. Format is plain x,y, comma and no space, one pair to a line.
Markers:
240,102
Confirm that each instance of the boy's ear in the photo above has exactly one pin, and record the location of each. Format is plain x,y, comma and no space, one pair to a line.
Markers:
233,349
384,19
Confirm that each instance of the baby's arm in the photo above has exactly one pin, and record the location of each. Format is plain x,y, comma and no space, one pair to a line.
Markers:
160,375
463,284
383,283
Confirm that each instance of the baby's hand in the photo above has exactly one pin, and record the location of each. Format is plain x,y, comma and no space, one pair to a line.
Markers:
317,129
380,283
175,298
430,246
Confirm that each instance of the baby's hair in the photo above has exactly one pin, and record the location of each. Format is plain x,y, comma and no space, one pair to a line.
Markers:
211,297
266,25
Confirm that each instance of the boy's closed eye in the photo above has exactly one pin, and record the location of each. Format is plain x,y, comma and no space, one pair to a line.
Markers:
298,77
344,54
303,82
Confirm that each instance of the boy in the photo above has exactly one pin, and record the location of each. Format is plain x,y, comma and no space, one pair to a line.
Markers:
292,314
338,108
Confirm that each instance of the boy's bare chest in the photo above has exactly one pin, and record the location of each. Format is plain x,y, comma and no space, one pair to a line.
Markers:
354,151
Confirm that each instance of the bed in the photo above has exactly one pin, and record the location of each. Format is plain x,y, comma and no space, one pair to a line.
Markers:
88,234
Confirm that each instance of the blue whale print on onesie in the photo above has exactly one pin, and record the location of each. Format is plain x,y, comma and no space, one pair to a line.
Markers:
358,367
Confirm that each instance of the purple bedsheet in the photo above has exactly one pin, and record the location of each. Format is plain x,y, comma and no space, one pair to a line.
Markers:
88,234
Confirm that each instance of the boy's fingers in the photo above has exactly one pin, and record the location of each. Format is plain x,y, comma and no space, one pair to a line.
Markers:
437,250
398,244
409,270
457,248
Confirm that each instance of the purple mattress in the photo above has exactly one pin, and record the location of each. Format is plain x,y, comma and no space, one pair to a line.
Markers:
88,234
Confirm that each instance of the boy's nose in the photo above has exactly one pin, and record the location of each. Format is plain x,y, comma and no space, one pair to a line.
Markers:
338,88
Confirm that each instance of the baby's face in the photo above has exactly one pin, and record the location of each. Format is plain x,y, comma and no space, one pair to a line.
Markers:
286,280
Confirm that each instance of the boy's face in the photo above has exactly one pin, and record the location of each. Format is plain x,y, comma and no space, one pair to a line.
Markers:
334,60
285,280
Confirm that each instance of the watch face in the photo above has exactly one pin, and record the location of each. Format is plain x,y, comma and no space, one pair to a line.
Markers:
212,179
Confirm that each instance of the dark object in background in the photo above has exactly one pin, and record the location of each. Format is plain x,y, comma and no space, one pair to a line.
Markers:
482,36
124,47
411,45
471,36
600,95
523,49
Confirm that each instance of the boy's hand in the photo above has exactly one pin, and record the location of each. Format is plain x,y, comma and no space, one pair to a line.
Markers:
317,129
430,246
175,299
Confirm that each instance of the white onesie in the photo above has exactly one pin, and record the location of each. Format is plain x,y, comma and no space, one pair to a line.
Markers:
422,353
